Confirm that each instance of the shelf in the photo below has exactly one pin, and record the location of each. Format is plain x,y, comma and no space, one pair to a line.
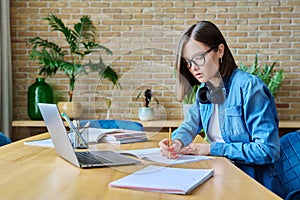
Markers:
147,124
150,124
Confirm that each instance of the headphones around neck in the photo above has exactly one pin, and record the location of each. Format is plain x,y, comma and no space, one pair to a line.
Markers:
215,95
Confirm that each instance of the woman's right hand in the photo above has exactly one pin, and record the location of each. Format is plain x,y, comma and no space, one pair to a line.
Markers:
167,151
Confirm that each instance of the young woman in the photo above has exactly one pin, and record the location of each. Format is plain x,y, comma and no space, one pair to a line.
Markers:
235,109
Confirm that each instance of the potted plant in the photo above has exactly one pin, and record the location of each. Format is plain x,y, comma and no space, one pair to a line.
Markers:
267,74
189,99
146,113
70,56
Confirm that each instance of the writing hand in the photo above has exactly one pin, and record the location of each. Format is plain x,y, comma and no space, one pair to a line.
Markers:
170,152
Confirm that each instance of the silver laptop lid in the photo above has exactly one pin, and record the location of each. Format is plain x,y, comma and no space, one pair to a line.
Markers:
58,132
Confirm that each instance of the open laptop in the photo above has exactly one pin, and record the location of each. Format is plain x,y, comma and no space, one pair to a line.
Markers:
64,147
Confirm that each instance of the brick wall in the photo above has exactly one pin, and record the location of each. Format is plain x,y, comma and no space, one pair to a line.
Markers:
143,36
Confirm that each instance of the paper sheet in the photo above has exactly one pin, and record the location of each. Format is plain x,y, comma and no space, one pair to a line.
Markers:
154,155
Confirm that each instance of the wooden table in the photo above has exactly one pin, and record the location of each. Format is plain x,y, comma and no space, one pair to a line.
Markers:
31,172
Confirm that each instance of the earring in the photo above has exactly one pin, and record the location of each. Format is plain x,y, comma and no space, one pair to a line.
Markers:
221,59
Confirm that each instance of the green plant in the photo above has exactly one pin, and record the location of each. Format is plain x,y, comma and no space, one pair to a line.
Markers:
148,95
191,96
69,58
267,74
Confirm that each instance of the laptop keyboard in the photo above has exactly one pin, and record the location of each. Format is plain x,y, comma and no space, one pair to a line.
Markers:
90,158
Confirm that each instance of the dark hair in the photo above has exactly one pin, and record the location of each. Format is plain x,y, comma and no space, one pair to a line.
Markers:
207,33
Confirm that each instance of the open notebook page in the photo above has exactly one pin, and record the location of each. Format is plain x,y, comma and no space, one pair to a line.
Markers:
154,154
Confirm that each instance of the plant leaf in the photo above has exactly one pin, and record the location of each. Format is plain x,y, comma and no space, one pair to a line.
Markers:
81,42
266,73
191,97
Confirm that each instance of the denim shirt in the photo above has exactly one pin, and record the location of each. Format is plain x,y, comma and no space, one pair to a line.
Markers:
248,124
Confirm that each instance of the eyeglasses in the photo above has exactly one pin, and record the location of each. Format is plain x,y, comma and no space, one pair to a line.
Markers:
198,59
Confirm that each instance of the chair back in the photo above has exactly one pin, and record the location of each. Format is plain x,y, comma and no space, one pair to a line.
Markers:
295,195
290,151
114,124
4,139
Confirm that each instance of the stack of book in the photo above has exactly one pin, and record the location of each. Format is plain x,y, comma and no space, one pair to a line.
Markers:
116,136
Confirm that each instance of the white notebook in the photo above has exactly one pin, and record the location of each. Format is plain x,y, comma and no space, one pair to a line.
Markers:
164,179
154,154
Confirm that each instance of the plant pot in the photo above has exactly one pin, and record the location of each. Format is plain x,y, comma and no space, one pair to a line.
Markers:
146,113
72,109
38,92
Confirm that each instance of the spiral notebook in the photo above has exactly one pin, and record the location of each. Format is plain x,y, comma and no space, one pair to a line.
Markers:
164,179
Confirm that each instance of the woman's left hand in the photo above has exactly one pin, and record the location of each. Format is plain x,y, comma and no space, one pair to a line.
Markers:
196,149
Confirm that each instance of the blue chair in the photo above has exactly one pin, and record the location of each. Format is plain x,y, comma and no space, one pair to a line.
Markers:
295,195
114,124
290,152
4,139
